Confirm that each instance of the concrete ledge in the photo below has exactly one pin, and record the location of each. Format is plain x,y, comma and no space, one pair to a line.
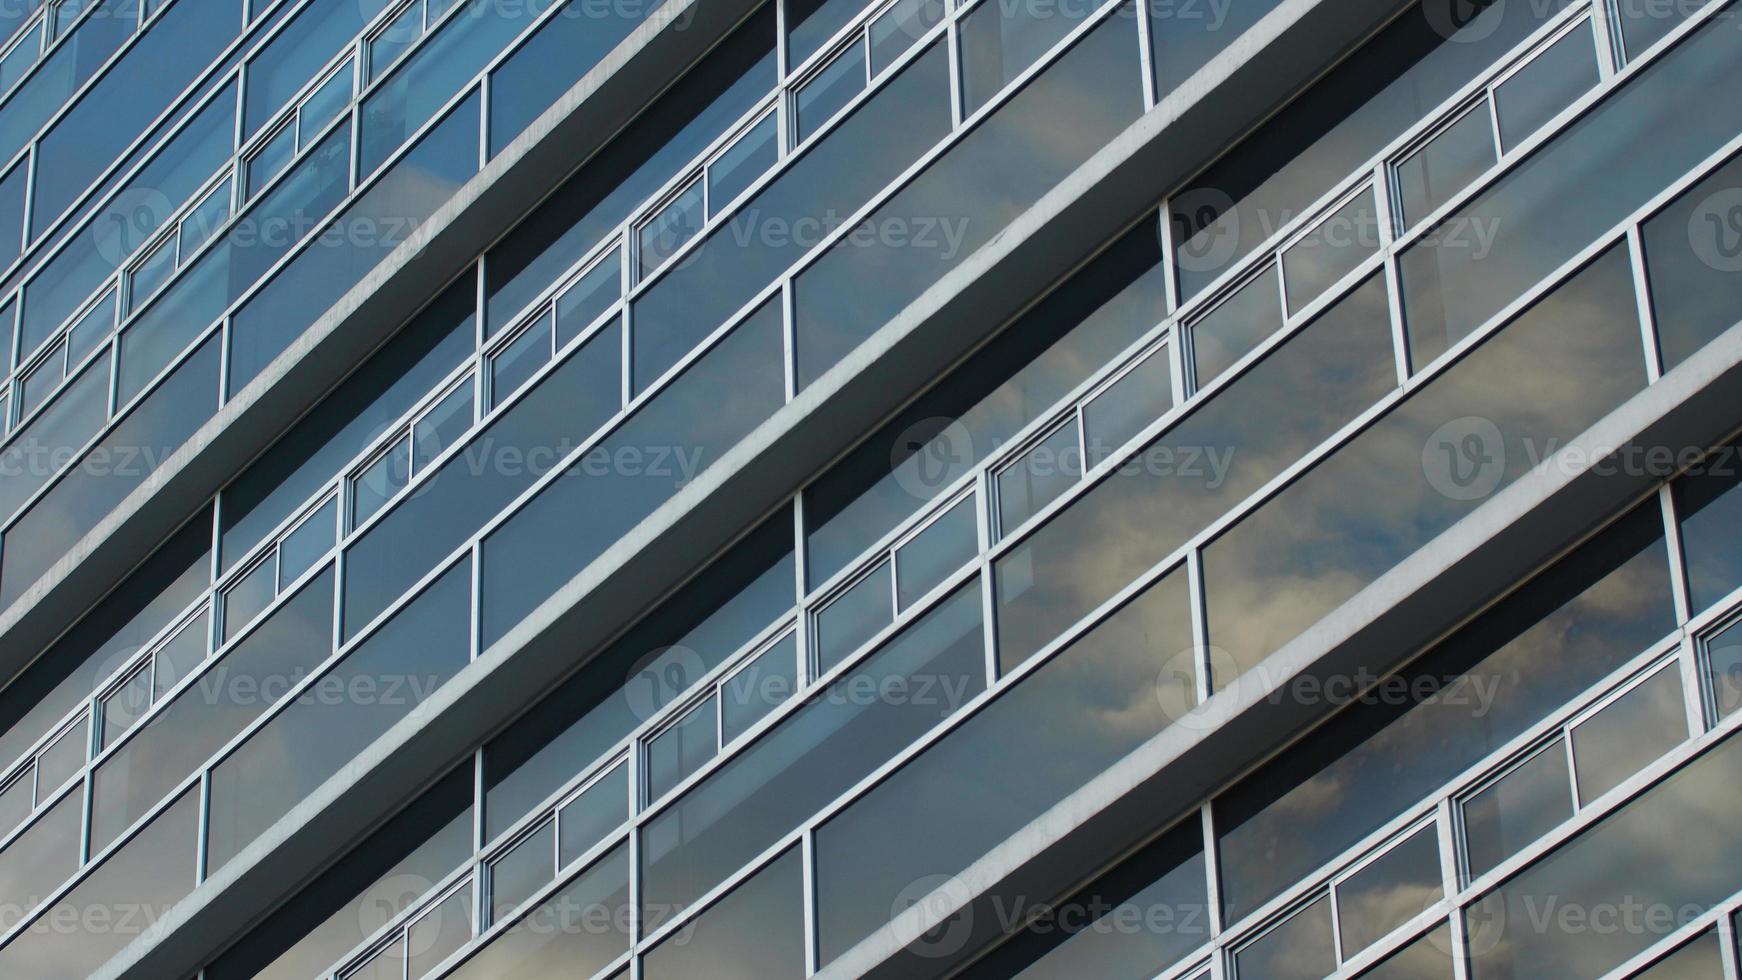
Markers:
1378,629
1272,62
577,126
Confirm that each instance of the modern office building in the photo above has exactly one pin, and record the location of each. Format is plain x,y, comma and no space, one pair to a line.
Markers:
1171,489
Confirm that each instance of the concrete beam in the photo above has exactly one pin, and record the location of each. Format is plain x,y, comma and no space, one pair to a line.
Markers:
610,95
1271,63
1377,630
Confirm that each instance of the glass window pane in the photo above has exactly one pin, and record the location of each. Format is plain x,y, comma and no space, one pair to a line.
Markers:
1693,261
1663,853
308,544
251,594
515,364
61,760
1629,733
387,47
854,617
1394,889
591,817
950,542
43,380
1724,664
1331,251
811,23
387,964
380,481
125,705
324,105
900,28
1299,949
1428,958
439,933
301,49
1700,959
666,232
92,329
588,298
755,933
1517,809
829,90
1430,176
444,425
1113,689
817,752
762,685
1644,24
529,866
683,748
46,854
1001,40
1122,409
1550,83
1042,475
16,802
1236,326
270,159
581,928
180,655
745,160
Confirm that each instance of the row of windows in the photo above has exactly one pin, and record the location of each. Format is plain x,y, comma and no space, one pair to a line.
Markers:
227,630
714,724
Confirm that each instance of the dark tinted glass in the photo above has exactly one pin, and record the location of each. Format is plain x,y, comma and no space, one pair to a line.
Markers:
755,933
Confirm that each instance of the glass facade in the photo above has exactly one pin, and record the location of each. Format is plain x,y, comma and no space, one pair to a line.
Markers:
974,609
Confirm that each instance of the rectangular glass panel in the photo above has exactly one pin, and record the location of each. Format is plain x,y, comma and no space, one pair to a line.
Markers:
1644,24
680,750
444,425
666,232
733,171
525,869
589,298
43,380
386,964
1693,254
1342,241
578,931
829,90
204,220
387,47
1042,475
1450,162
1428,958
1724,666
1701,959
1124,408
1113,689
559,53
380,481
922,676
124,706
854,617
1629,733
1552,81
43,446
306,44
931,556
61,760
515,363
309,543
150,275
1517,809
16,802
1661,851
1299,949
900,28
180,655
1236,326
1000,40
272,157
251,594
755,931
439,933
323,106
1395,888
41,858
765,683
591,817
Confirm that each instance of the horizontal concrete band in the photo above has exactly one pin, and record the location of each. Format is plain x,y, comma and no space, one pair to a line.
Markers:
616,90
1272,62
1375,632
